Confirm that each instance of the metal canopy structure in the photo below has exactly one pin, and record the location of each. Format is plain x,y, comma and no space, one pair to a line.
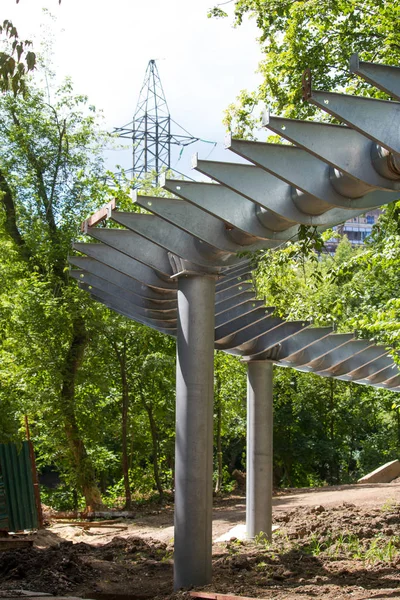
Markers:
243,325
178,271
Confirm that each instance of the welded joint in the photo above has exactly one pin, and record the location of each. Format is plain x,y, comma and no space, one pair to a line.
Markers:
265,117
195,160
228,140
184,268
354,63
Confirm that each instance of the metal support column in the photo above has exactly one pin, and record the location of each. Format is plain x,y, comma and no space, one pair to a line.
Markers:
194,431
259,449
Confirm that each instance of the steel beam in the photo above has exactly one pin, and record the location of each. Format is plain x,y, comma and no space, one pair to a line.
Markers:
203,225
134,246
384,77
225,295
312,177
303,340
175,240
376,119
341,147
336,357
156,324
358,360
165,319
231,208
272,194
382,375
318,350
240,297
246,327
240,278
368,370
122,294
271,338
98,269
128,266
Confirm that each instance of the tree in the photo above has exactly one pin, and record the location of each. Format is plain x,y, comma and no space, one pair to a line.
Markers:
229,416
50,178
144,364
319,34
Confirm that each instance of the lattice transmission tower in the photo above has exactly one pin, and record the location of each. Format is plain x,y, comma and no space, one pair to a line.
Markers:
150,129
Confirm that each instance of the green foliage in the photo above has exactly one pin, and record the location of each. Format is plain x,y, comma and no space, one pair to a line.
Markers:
380,548
328,431
216,12
229,419
16,61
63,498
121,400
355,290
332,431
316,34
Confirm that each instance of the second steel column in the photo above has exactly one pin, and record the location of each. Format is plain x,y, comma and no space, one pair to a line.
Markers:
259,449
194,431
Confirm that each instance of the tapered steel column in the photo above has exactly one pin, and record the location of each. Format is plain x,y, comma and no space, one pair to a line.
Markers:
259,449
194,431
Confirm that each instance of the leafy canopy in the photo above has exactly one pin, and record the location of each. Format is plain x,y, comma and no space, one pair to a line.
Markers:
319,34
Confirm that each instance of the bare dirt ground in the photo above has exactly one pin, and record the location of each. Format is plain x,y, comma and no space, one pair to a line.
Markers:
336,542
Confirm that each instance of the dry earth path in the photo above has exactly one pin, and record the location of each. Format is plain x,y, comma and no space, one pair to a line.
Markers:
337,543
228,512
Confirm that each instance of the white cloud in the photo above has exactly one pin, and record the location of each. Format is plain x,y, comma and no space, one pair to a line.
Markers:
105,47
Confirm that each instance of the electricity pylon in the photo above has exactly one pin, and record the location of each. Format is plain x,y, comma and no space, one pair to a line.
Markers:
150,129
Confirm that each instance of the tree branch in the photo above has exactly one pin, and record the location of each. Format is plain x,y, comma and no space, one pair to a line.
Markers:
49,215
62,133
7,200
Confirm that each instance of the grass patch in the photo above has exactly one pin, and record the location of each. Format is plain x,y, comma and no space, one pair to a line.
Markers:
377,549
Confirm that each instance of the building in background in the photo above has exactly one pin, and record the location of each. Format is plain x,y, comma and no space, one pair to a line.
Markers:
357,230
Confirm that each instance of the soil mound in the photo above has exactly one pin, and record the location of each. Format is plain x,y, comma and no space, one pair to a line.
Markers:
75,568
57,570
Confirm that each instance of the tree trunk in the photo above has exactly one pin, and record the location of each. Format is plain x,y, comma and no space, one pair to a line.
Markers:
121,356
154,438
125,462
334,467
398,427
84,469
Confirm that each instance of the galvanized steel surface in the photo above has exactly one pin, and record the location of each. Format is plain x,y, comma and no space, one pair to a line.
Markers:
327,175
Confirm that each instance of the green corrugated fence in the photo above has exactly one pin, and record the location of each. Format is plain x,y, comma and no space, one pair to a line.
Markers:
16,474
3,507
